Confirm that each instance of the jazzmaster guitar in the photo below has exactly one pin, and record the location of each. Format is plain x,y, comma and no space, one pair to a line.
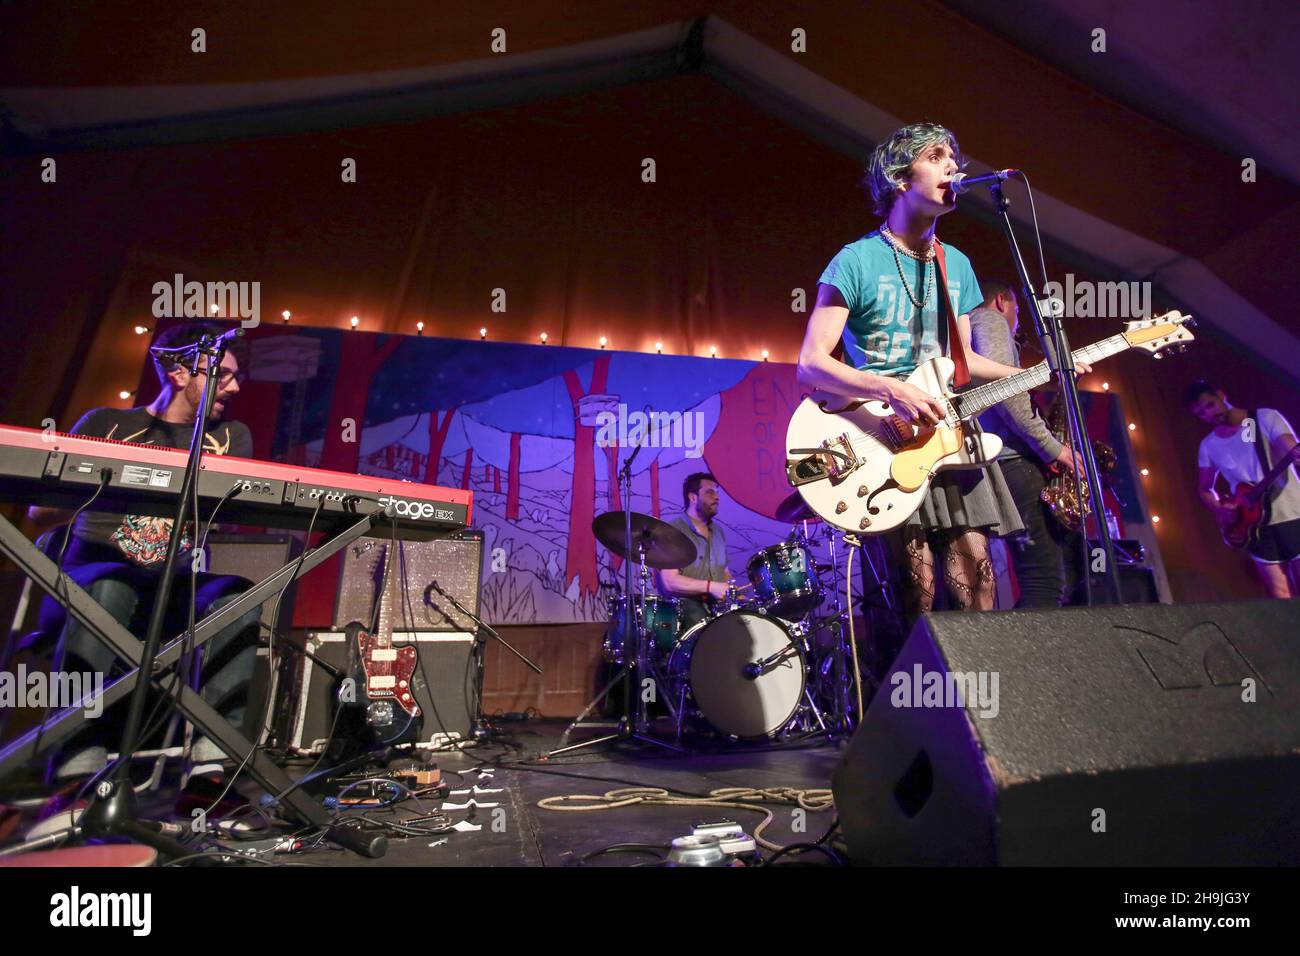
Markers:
383,675
864,469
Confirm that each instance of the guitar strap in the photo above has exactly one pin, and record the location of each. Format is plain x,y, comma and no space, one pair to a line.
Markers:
961,375
1261,450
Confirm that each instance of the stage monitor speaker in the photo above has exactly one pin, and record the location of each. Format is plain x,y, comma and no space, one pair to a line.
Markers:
443,678
1138,735
455,562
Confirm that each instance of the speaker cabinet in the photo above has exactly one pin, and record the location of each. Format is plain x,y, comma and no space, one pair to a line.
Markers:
443,684
1132,735
454,562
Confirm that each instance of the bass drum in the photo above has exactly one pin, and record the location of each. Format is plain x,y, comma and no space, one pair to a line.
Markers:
708,668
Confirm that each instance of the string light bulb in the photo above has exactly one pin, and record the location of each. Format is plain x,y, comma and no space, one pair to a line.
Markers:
355,321
1145,472
659,347
764,355
713,351
419,328
1132,427
141,329
482,334
215,308
603,341
124,394
1155,519
543,337
1105,386
285,315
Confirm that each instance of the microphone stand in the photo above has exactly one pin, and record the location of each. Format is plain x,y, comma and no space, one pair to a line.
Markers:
479,729
112,812
1060,360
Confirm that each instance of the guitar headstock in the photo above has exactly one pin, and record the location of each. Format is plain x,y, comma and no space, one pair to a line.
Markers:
1160,332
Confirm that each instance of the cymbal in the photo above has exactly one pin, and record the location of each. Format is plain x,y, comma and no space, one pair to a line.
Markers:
793,508
665,546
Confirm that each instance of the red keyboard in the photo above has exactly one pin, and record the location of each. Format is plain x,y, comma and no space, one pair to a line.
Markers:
57,470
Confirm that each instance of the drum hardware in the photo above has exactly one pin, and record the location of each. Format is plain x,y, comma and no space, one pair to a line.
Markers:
650,543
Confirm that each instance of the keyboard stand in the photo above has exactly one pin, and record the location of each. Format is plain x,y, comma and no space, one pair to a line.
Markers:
80,605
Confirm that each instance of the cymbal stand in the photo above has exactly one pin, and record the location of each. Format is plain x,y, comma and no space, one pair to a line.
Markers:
634,724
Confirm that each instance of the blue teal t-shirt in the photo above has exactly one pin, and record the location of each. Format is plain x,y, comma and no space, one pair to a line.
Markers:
886,333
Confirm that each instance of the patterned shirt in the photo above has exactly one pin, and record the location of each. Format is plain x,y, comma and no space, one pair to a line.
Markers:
142,539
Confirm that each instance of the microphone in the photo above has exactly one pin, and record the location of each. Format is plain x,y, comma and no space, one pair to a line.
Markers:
961,182
223,340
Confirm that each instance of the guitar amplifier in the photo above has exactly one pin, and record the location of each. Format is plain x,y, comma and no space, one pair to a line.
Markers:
443,684
455,562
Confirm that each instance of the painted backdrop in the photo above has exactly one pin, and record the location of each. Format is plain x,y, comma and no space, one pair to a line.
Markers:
538,434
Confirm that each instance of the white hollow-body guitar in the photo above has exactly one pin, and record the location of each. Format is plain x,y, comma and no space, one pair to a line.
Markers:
862,468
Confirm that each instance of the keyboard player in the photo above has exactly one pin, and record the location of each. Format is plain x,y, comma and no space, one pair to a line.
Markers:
118,559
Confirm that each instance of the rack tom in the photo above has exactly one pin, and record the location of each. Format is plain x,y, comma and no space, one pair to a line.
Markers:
785,581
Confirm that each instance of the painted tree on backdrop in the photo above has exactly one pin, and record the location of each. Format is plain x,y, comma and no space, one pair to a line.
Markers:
359,360
581,557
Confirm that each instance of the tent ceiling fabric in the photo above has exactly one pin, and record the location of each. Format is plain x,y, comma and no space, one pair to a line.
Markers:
1166,204
1202,68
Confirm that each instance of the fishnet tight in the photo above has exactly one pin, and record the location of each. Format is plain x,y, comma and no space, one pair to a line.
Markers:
968,570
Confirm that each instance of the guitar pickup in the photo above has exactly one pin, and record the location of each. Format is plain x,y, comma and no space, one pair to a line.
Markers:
834,460
896,432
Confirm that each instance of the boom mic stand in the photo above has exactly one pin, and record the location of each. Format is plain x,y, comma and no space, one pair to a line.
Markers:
1060,360
479,728
112,812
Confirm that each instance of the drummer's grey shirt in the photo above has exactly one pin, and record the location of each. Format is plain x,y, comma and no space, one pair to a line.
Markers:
710,562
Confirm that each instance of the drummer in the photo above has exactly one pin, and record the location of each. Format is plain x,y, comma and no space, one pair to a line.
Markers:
707,578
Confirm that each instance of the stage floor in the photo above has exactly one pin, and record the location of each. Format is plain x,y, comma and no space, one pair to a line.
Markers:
526,835
516,832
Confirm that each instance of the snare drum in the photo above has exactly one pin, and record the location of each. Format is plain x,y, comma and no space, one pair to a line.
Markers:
785,581
662,621
714,670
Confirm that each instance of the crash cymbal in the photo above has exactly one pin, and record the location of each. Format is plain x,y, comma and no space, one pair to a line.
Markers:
793,508
665,546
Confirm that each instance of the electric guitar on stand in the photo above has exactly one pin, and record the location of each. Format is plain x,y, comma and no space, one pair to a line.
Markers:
382,710
862,468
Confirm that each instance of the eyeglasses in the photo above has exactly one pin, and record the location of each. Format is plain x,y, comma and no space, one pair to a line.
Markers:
226,375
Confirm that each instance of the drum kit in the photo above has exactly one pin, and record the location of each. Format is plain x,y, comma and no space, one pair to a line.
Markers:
770,661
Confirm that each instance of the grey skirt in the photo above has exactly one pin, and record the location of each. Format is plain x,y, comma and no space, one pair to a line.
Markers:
969,498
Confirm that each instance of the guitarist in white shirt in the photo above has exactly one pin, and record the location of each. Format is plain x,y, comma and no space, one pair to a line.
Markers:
879,296
1229,451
